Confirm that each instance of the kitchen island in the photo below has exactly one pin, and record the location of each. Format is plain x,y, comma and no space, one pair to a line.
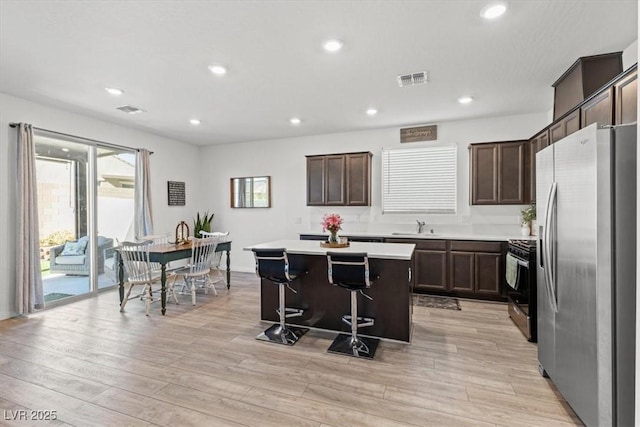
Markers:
325,304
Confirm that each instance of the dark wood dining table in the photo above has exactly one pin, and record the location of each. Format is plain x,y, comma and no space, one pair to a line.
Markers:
164,253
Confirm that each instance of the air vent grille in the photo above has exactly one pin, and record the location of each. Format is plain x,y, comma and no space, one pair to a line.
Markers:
418,78
130,109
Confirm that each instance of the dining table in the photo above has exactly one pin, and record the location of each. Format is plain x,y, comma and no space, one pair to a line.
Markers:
164,253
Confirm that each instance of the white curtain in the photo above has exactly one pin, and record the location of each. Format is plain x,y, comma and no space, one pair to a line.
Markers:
143,219
29,293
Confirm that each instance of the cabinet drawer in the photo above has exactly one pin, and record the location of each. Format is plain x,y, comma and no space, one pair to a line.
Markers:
473,246
434,245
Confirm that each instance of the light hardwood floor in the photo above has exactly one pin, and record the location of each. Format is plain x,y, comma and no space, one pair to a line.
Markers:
201,366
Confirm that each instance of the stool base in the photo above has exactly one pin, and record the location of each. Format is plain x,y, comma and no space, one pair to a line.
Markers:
288,335
360,347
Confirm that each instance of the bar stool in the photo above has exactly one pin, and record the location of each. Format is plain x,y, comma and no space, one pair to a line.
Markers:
273,265
351,271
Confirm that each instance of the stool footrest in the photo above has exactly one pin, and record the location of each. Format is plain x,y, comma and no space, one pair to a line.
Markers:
354,346
362,321
291,312
287,335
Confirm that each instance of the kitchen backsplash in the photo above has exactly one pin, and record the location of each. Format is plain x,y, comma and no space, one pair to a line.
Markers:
479,220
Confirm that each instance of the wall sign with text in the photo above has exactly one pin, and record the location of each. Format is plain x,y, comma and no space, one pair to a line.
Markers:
176,192
422,133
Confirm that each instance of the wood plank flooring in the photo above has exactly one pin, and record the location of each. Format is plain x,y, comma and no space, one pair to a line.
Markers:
201,366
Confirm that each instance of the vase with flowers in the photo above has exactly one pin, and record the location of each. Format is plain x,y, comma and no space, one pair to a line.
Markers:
332,223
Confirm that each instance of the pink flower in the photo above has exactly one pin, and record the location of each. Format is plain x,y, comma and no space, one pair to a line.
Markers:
331,222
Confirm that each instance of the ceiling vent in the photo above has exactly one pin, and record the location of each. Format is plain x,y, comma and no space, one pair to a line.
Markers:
129,109
418,78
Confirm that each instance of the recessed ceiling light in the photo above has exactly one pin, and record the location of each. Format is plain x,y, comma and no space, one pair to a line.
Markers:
295,121
332,45
66,150
114,91
218,70
194,122
493,11
372,111
465,100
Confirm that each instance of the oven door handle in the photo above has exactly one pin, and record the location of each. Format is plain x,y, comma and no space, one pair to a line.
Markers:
522,263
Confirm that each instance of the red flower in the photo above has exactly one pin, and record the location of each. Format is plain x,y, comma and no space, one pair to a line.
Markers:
331,222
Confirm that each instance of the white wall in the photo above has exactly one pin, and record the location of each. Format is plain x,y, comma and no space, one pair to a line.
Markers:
163,169
284,161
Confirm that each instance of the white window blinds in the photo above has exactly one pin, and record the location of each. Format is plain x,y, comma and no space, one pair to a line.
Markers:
420,180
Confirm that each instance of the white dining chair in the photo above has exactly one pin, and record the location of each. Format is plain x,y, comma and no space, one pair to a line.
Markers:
217,256
199,267
135,257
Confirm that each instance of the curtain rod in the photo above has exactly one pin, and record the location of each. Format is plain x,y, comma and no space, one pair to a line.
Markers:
108,144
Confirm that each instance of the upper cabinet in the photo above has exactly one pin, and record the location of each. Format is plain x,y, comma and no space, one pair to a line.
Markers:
536,144
497,173
565,126
339,179
598,109
626,95
584,78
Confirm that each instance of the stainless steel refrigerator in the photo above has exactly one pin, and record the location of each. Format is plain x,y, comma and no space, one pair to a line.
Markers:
586,270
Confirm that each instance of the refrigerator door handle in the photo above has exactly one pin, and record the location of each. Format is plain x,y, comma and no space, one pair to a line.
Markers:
550,255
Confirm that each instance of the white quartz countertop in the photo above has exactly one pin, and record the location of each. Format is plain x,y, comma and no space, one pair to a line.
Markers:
437,236
401,251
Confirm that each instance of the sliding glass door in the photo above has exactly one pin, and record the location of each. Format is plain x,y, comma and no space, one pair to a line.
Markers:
114,210
85,203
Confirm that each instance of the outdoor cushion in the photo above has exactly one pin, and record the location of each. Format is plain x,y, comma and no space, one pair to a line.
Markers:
70,260
74,248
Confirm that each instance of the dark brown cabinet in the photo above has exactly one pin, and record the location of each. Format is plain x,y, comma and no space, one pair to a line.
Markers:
462,271
497,173
536,144
431,270
471,269
487,273
626,95
484,174
339,180
477,267
566,126
598,109
586,76
334,179
358,179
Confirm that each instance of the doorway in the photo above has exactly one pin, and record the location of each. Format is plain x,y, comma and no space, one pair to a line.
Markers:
85,204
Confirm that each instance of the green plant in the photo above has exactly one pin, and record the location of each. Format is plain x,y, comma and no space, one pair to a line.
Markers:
202,223
57,238
528,214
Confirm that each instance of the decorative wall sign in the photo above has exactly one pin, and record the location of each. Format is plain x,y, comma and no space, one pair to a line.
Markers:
422,133
176,191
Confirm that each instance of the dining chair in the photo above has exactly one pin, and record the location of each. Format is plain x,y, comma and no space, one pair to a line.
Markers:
135,257
217,256
199,267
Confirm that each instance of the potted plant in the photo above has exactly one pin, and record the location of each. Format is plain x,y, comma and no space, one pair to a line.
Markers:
202,223
528,216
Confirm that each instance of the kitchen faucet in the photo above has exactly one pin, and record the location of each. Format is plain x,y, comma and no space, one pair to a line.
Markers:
421,225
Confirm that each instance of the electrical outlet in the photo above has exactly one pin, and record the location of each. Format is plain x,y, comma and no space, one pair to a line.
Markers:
298,220
466,219
357,218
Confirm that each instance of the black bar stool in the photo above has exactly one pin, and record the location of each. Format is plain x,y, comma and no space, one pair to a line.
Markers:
351,271
273,265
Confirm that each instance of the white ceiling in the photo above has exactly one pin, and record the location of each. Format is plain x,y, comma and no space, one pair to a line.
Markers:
63,53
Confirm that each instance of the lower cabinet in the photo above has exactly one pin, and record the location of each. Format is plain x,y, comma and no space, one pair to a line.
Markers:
469,269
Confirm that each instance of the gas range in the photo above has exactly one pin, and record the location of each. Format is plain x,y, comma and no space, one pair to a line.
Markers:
522,297
523,249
